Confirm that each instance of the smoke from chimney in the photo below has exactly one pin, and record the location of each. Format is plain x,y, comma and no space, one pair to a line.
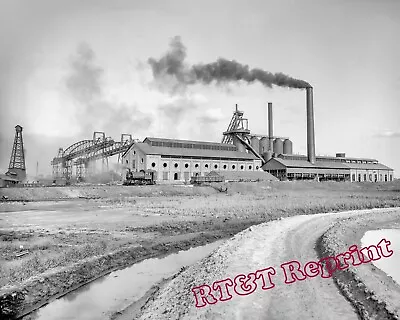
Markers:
172,73
171,68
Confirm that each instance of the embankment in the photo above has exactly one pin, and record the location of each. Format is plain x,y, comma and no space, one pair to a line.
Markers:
19,300
370,290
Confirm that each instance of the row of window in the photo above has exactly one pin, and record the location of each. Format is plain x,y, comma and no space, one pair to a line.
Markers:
192,146
313,175
360,161
176,165
371,177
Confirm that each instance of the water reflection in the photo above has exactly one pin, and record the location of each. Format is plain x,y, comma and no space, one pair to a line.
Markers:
102,297
389,265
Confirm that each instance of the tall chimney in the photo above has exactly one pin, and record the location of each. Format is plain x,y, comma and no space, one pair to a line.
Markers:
270,127
310,126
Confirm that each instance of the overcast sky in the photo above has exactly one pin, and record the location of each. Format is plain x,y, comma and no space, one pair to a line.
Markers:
68,68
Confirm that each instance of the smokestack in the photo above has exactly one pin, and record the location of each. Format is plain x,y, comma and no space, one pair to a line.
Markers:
270,126
310,126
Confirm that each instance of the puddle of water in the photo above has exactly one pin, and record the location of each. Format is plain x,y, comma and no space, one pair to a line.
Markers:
101,298
388,265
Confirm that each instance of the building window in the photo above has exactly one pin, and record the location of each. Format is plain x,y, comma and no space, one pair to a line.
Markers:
241,167
250,167
165,175
176,176
153,164
224,166
134,152
370,177
186,175
196,165
380,177
391,177
176,165
365,177
206,165
127,161
164,164
233,167
186,165
359,177
385,177
353,177
141,160
215,166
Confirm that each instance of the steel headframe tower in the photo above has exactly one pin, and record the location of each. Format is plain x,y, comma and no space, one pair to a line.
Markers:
17,160
237,126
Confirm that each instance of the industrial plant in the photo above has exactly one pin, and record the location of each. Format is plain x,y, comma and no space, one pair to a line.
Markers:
255,156
240,150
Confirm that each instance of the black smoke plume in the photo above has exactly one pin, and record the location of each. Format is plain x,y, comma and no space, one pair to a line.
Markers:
173,72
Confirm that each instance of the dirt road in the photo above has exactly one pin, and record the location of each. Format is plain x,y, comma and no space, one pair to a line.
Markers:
259,247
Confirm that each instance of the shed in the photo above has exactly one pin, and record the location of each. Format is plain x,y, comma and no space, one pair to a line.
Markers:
7,181
246,175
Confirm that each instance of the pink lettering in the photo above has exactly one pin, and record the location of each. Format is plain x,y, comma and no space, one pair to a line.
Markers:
294,274
222,286
204,293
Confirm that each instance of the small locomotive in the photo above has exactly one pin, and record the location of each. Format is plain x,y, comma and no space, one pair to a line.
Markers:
142,177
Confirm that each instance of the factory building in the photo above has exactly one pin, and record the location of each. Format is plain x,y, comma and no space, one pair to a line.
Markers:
339,168
281,163
178,160
243,151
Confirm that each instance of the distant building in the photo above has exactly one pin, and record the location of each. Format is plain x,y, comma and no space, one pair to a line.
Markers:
179,160
7,181
245,175
340,168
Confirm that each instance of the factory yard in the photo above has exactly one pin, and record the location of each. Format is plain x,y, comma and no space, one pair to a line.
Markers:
55,239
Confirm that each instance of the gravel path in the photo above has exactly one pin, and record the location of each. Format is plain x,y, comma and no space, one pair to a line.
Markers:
262,246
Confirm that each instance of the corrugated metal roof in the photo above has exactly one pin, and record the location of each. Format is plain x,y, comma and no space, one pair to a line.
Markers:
324,158
8,178
179,152
293,163
151,139
368,166
330,165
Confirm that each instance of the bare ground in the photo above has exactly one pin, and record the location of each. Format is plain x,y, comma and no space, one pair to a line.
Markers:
75,234
271,244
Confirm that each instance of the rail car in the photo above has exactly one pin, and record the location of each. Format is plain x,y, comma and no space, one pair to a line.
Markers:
143,177
206,179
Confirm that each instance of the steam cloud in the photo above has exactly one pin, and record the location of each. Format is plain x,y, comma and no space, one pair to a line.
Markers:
172,72
97,113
